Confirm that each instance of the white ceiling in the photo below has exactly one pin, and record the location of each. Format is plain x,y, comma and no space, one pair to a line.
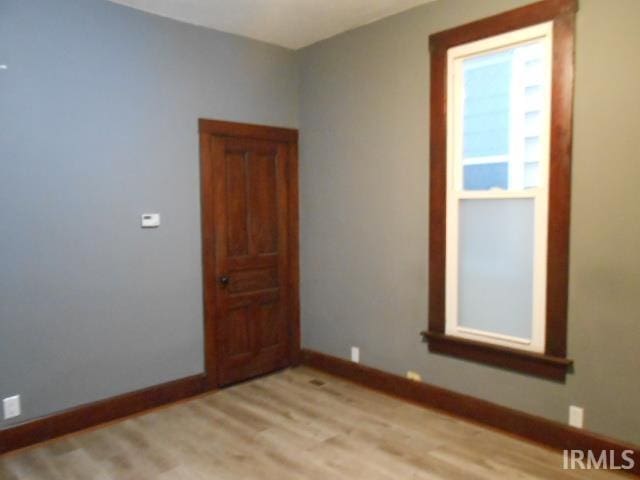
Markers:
289,23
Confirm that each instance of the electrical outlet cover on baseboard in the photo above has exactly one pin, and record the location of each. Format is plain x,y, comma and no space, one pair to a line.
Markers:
355,354
576,416
11,407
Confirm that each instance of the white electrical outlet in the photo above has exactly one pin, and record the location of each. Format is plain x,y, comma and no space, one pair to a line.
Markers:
576,416
415,376
11,406
355,354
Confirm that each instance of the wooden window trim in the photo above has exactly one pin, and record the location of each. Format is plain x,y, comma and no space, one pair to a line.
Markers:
553,363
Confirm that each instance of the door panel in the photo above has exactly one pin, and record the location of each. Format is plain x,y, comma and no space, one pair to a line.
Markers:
262,193
251,276
237,341
252,280
236,205
269,317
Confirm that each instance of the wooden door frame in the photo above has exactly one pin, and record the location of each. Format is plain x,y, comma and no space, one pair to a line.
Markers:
220,128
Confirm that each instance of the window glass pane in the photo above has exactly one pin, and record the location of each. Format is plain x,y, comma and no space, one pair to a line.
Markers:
531,172
485,176
496,245
503,104
532,149
487,80
533,68
532,123
533,98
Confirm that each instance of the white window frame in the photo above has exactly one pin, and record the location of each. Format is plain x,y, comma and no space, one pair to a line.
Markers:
455,192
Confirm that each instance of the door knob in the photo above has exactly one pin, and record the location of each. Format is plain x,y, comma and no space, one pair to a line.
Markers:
224,280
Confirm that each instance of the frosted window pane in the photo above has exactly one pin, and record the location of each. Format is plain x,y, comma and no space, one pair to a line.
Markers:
495,290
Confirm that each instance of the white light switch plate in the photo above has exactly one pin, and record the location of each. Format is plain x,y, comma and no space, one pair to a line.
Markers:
150,220
11,406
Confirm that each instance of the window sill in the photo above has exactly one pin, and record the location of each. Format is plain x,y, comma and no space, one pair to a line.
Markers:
538,364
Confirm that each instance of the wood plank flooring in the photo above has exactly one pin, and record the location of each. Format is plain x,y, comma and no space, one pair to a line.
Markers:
295,424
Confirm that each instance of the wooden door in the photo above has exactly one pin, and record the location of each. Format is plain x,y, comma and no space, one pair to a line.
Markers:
249,269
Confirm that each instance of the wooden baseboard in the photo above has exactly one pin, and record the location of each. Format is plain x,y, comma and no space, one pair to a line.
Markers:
537,429
89,415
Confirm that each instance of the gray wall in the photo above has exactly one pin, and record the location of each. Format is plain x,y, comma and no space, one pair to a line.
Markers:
98,123
364,201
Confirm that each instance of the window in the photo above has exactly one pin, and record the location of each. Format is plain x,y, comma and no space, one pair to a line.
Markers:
501,115
499,96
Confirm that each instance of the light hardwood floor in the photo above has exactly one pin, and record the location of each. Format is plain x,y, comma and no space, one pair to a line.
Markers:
295,424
